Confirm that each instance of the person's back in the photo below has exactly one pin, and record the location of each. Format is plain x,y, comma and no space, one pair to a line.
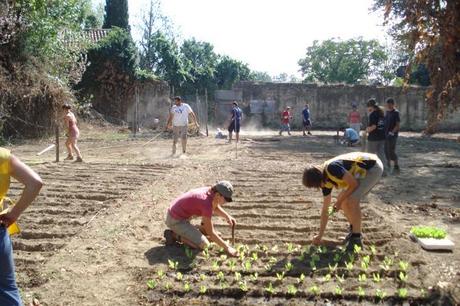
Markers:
351,135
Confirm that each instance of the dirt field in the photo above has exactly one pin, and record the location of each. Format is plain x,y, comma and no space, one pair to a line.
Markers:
94,235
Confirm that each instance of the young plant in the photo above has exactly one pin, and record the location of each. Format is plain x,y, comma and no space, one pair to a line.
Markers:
387,263
237,276
366,259
151,284
402,293
206,253
403,277
173,265
376,277
203,289
322,249
373,250
269,289
362,278
290,247
231,264
301,278
428,232
314,290
364,266
168,286
220,276
187,287
254,256
288,266
330,210
243,286
272,260
247,265
333,268
215,265
179,276
349,265
380,294
327,278
338,290
254,277
160,274
403,265
268,267
337,257
361,292
313,265
280,276
340,279
291,290
357,249
315,257
202,277
223,257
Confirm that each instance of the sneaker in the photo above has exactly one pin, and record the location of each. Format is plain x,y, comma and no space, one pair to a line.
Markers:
69,157
396,170
348,236
169,237
309,133
352,242
79,160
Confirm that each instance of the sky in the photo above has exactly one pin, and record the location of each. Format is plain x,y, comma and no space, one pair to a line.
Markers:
269,35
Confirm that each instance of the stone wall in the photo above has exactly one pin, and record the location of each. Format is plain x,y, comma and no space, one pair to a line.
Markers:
330,104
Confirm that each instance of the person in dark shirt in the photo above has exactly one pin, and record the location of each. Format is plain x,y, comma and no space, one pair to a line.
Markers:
356,173
376,130
392,121
235,122
306,120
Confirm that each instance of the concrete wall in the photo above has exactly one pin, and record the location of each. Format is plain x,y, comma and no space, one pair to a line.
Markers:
330,104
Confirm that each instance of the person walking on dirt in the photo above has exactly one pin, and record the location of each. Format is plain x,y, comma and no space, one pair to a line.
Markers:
235,123
178,121
202,202
376,130
11,166
285,118
306,120
356,173
354,118
70,123
392,122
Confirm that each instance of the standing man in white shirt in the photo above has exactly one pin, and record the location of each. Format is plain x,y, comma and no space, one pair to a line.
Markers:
178,121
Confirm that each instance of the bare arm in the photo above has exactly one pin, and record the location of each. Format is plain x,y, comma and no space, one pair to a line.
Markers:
324,215
32,182
170,117
371,128
209,228
396,128
222,213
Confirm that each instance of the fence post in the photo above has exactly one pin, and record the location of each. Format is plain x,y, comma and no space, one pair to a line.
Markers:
206,110
56,131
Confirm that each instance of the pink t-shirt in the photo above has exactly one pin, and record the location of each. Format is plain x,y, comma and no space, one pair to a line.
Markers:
194,203
354,117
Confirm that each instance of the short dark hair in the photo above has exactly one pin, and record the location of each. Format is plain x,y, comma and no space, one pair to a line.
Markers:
66,106
235,103
177,98
342,128
390,101
371,102
312,177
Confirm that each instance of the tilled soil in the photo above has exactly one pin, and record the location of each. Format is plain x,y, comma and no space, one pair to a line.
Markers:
93,237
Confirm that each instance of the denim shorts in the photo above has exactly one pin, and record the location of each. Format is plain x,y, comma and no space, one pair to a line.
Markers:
9,293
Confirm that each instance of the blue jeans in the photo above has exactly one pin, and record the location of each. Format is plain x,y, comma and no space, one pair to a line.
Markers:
9,293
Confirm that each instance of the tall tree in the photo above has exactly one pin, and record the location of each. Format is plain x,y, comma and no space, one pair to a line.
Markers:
335,61
431,29
116,14
260,76
229,71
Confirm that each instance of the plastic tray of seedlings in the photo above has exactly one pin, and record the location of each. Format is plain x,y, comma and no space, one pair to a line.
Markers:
431,238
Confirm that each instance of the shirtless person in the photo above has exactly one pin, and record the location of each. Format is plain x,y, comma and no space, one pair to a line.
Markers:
70,123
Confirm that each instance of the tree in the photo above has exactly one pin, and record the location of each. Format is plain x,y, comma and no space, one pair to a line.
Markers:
431,29
229,71
116,14
334,61
260,76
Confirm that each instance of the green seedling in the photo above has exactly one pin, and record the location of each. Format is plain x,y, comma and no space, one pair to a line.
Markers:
376,277
272,260
291,290
337,257
254,256
160,274
243,286
380,294
330,210
215,265
313,265
338,290
423,293
187,287
333,268
288,266
362,278
242,255
364,266
280,276
269,289
302,257
387,263
151,284
366,259
361,292
373,250
247,265
231,264
315,257
205,253
290,247
220,276
275,249
254,276
357,249
351,258
301,278
349,265
402,293
322,249
223,285
223,257
327,278
188,252
268,267
179,276
237,276
203,289
428,232
168,286
314,290
173,265
221,250
340,279
403,277
202,277
403,265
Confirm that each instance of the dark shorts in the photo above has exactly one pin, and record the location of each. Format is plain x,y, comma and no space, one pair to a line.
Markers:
307,122
234,126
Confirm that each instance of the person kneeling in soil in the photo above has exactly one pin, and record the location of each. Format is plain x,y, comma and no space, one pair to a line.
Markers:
201,202
356,173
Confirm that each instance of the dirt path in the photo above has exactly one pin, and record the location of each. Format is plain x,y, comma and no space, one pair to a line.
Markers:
94,235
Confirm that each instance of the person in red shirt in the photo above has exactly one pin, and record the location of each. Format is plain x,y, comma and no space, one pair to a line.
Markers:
286,116
201,202
354,119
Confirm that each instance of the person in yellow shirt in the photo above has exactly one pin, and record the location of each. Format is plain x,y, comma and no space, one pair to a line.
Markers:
356,173
11,166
